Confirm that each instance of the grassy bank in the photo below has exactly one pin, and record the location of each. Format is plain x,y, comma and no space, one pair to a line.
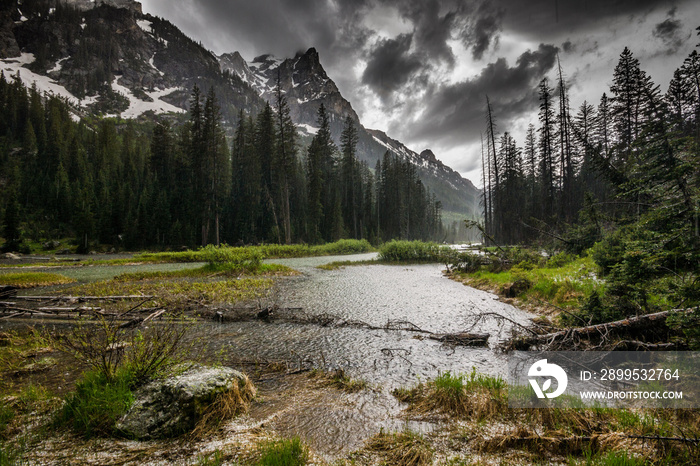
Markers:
485,427
547,285
223,254
33,279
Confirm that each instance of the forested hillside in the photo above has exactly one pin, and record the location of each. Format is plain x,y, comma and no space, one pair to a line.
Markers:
130,185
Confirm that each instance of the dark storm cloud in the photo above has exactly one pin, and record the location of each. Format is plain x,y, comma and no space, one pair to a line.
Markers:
409,59
485,30
391,65
456,112
546,19
670,33
568,47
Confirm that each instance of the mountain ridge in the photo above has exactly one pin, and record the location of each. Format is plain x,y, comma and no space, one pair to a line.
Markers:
113,60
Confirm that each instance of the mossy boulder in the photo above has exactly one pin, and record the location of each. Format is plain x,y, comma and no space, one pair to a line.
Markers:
173,406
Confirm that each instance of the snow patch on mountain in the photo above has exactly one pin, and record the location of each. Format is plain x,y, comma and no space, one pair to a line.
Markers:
145,25
15,67
138,107
308,128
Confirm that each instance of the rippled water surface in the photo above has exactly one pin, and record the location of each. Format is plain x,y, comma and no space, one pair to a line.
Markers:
376,294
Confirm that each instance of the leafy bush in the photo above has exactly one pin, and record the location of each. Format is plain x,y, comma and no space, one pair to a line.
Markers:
561,259
465,262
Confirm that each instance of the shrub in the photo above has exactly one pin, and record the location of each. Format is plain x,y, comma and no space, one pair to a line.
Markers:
107,346
98,402
413,251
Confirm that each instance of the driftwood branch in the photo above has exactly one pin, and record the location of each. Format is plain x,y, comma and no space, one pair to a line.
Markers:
605,331
82,298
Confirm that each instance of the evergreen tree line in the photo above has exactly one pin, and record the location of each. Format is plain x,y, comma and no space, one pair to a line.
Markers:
136,185
603,166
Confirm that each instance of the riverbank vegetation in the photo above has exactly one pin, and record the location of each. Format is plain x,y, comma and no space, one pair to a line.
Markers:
615,185
484,427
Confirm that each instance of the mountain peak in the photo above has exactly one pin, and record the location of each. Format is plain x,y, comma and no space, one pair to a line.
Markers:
428,155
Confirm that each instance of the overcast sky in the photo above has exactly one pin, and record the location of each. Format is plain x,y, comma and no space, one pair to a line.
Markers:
420,70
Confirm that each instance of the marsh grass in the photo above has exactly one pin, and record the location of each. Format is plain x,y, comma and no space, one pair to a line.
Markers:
177,294
209,271
226,406
404,448
228,254
223,254
18,349
33,279
475,396
291,452
338,379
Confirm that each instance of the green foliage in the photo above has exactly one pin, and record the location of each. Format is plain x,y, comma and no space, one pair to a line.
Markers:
98,402
412,251
286,452
689,325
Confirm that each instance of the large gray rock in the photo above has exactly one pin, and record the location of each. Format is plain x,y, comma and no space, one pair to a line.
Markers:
170,407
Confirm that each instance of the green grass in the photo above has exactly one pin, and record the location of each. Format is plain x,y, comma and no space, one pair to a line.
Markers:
560,282
340,380
214,459
176,293
209,270
475,395
97,403
285,452
33,279
611,458
227,254
19,348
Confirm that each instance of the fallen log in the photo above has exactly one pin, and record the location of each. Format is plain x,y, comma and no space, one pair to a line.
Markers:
82,298
69,309
7,291
142,320
462,339
604,331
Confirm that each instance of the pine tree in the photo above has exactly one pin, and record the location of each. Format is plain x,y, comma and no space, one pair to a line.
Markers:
547,157
350,178
286,158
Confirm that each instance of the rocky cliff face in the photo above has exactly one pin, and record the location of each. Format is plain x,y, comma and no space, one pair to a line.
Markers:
112,59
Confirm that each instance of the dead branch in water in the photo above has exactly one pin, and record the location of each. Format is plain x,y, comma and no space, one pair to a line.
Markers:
602,335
